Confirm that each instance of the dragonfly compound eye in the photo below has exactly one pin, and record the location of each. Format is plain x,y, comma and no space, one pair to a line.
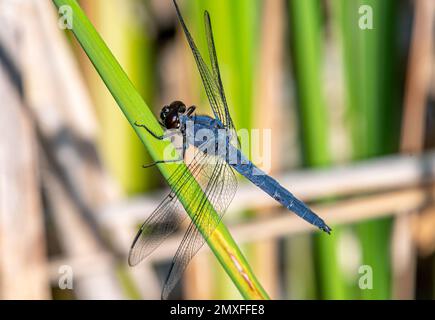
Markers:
178,106
172,121
164,112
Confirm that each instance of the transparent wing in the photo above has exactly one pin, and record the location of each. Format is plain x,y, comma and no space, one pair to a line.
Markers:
212,81
162,222
219,184
166,218
227,121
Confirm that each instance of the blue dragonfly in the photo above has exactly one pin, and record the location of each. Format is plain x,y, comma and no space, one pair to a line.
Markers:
212,167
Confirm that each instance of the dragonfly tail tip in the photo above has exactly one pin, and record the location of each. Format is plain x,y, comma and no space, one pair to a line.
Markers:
326,228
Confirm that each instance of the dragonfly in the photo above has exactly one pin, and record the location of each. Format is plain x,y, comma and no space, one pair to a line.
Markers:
211,169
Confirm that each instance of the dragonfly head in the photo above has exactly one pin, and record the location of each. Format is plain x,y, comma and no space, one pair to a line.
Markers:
170,115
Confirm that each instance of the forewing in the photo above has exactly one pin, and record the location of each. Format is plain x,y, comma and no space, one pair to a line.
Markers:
227,121
212,81
219,184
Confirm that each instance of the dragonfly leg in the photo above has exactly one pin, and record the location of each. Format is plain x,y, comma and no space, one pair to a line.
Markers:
190,110
163,136
169,161
161,161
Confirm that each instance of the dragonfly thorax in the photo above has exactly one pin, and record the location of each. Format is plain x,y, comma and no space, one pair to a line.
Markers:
207,134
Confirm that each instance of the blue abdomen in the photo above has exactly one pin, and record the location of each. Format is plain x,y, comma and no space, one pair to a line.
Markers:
277,191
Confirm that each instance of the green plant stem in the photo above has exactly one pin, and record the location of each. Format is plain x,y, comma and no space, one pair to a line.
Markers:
134,49
135,109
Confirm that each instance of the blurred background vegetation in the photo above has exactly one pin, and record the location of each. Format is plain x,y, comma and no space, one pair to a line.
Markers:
333,94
